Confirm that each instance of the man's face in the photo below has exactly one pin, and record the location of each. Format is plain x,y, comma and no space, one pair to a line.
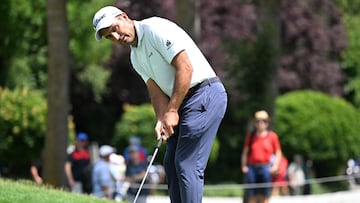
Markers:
81,144
122,31
134,156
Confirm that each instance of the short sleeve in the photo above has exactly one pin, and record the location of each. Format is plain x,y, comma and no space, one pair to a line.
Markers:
276,142
69,157
168,43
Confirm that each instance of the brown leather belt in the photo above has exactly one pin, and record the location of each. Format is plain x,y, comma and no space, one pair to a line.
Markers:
202,84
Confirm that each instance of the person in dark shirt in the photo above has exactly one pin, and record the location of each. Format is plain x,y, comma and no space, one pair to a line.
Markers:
77,164
135,171
36,169
135,140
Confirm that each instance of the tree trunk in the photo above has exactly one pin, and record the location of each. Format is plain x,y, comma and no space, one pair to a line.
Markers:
188,16
57,93
268,24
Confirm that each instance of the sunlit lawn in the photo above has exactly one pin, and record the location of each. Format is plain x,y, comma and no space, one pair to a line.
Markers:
28,192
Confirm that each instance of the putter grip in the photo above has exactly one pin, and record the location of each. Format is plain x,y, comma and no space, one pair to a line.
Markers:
159,143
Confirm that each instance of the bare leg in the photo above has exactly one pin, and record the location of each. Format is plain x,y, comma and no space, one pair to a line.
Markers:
275,191
253,199
264,199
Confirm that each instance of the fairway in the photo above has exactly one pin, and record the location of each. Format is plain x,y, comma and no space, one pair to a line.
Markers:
28,192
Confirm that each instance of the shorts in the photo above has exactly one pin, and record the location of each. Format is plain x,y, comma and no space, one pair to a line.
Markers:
259,174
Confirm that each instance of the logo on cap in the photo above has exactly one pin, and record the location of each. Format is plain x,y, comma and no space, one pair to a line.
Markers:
98,20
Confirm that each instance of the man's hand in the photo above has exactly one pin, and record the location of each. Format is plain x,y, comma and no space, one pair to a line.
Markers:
274,170
71,183
171,119
244,169
165,127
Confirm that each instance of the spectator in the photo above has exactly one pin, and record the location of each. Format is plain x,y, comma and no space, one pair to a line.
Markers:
103,182
296,176
259,147
135,140
118,168
279,179
135,172
156,176
3,170
36,169
308,174
77,166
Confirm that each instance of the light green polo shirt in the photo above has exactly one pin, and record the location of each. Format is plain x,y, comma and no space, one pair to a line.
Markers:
159,41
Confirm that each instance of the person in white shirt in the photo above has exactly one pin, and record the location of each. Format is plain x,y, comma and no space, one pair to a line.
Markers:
296,176
102,179
189,99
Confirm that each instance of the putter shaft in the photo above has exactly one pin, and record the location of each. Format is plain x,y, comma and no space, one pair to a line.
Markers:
148,169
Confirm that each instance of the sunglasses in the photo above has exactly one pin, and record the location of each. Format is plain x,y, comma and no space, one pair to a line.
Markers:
261,121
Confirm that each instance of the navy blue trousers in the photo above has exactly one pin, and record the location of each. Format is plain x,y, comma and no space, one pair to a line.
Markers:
188,150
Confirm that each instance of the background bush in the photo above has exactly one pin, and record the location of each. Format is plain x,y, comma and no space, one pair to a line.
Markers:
22,124
319,127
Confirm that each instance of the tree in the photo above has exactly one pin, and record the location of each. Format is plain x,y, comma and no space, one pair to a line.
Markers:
268,27
313,40
351,62
57,93
188,17
23,45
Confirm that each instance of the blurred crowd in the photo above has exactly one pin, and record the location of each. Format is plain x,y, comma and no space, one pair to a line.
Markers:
105,173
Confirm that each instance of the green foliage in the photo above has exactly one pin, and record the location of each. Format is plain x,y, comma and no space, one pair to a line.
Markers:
319,127
23,50
136,120
23,45
22,124
351,61
250,73
140,120
89,56
28,192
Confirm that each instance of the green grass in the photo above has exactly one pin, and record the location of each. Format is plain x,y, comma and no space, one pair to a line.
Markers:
28,192
224,190
232,190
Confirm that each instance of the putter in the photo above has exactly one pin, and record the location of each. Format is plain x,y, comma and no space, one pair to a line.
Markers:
148,169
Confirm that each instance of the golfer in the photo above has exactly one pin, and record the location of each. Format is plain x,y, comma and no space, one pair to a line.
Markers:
189,100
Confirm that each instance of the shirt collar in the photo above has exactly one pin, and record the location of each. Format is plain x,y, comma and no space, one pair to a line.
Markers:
139,33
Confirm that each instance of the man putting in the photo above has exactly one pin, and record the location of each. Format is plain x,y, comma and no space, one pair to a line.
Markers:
188,99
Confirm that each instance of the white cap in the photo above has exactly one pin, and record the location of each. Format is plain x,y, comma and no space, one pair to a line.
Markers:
106,150
104,18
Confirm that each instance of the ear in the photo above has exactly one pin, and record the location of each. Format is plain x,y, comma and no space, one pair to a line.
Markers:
124,15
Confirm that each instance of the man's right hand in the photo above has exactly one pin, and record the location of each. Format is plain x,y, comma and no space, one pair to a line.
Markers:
244,169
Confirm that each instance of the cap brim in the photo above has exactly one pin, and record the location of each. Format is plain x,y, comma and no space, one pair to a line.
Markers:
104,24
98,36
